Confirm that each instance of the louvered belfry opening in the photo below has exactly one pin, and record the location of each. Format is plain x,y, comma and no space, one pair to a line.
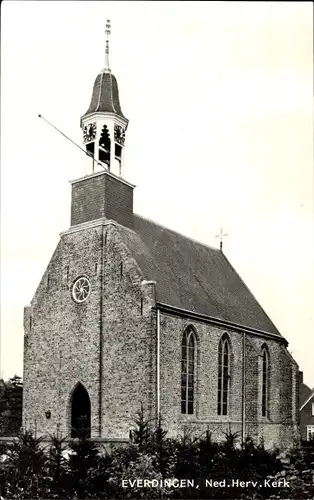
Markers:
104,146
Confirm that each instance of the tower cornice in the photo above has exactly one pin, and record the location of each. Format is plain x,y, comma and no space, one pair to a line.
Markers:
101,115
98,174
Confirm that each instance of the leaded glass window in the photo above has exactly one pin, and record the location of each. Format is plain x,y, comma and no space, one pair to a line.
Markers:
188,371
265,381
223,376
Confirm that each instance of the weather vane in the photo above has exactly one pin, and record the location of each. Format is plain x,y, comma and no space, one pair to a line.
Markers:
221,235
108,27
108,32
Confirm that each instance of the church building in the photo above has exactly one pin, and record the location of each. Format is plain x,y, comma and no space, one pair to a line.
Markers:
130,313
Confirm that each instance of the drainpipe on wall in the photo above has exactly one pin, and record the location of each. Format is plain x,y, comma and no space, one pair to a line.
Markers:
243,386
158,365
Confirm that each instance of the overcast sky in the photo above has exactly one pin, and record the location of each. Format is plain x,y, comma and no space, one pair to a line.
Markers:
220,101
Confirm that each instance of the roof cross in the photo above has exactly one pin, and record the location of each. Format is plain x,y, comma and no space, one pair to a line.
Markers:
221,236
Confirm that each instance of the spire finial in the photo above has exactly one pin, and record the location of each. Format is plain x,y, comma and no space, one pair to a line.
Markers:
108,32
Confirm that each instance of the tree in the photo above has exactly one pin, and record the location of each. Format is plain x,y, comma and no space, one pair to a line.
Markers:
11,395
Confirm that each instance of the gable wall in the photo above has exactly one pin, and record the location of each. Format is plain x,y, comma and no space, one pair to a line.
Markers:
62,347
63,343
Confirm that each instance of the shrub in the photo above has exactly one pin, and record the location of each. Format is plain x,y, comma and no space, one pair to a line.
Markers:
24,472
81,469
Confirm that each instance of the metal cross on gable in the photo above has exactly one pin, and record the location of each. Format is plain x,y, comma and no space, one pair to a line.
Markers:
221,236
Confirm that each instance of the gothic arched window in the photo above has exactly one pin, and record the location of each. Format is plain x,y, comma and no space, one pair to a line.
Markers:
80,412
223,375
188,358
265,380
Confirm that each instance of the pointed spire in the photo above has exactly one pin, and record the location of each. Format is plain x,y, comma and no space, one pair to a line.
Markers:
106,68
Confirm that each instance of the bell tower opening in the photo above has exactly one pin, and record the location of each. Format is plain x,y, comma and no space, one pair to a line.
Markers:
104,146
80,413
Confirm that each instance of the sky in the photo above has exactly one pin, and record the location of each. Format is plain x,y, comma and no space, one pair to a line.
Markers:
220,101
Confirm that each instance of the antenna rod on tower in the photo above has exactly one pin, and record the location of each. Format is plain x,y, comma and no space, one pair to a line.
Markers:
85,152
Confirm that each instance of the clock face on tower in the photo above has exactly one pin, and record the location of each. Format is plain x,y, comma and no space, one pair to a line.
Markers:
81,289
89,132
119,134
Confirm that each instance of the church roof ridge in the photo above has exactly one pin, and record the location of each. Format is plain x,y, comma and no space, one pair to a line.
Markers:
162,226
193,276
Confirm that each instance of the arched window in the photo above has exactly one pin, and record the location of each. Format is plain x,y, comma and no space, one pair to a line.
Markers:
80,412
265,381
223,375
188,371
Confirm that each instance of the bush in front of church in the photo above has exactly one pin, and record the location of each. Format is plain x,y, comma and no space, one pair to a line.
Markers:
23,471
81,469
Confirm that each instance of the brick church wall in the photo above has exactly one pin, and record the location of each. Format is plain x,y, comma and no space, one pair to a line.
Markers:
62,348
275,429
101,195
62,340
208,337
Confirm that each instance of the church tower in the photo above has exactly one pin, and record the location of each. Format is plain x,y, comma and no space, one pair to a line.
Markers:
103,124
105,192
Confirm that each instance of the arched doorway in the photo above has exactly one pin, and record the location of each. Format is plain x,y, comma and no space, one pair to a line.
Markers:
80,412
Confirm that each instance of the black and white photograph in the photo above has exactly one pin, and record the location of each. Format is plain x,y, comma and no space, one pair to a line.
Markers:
157,250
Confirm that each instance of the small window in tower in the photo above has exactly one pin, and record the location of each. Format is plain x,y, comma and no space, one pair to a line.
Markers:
90,148
117,151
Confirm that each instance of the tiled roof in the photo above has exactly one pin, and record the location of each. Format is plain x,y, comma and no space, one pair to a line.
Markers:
305,393
105,97
193,276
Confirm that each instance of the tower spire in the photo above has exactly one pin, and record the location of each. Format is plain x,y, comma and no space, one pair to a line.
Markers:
104,125
108,32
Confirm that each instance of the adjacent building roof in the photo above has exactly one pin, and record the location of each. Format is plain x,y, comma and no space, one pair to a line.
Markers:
305,395
193,276
105,97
